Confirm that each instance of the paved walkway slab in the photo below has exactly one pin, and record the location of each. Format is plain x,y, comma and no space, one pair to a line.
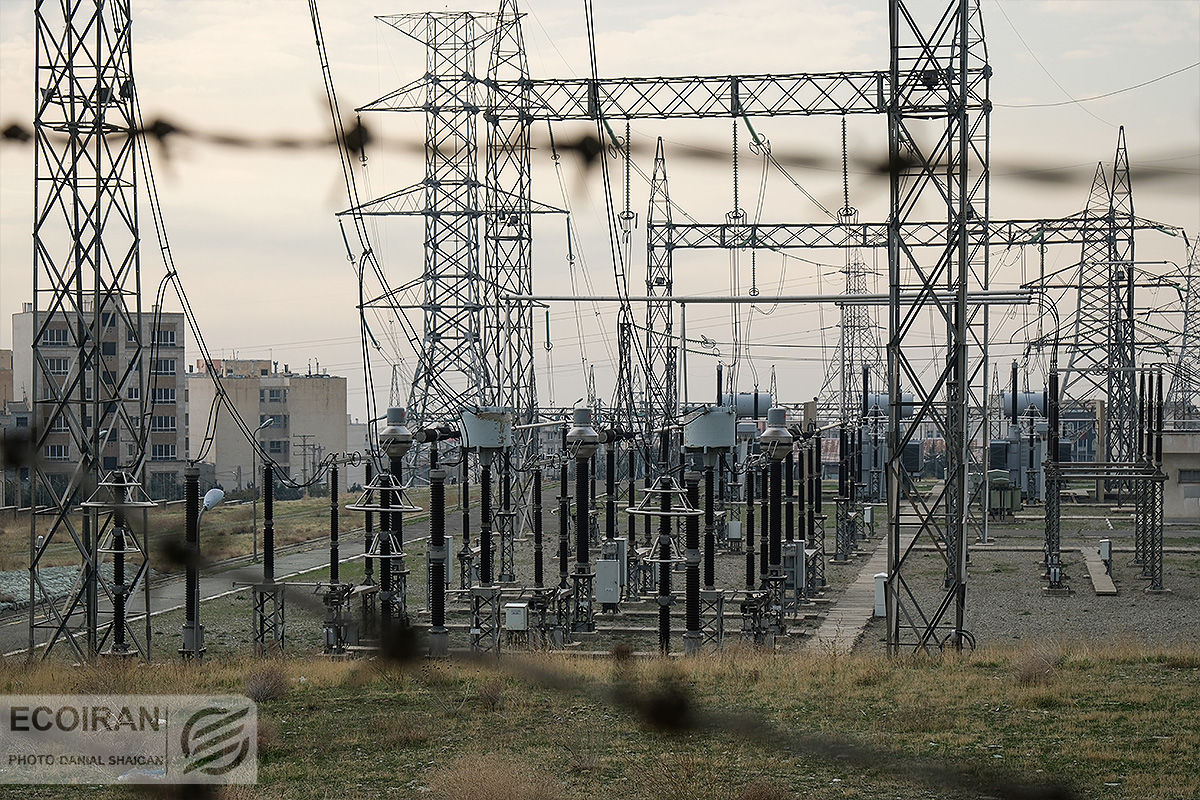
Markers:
1102,582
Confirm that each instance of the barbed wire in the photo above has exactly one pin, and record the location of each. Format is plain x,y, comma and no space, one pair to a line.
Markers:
588,148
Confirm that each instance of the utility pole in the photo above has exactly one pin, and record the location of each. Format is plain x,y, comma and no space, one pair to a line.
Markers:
303,437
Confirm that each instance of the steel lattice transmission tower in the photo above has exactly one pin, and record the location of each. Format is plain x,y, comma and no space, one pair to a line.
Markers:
86,275
662,383
938,133
858,337
508,327
1184,396
1102,347
452,370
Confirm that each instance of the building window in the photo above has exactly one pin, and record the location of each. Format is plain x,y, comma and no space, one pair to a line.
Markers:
162,423
165,337
1189,476
107,319
22,422
281,420
272,395
56,337
164,395
277,447
133,393
108,348
60,424
58,366
58,452
164,366
162,452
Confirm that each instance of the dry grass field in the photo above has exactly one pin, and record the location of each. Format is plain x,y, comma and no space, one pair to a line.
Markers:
1097,722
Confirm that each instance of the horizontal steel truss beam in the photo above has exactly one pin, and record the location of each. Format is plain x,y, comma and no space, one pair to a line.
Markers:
783,236
989,297
686,97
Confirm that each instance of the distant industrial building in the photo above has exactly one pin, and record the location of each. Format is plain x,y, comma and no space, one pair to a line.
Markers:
307,413
165,405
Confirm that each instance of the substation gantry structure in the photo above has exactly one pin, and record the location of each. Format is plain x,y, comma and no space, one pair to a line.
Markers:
934,95
86,279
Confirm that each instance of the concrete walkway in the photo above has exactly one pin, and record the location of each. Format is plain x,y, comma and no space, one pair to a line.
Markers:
845,622
1102,582
843,626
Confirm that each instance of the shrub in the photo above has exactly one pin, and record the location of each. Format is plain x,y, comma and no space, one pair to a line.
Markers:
265,682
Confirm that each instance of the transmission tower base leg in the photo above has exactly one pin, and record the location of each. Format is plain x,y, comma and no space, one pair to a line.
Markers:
583,619
712,617
560,635
269,615
775,604
485,619
754,631
337,632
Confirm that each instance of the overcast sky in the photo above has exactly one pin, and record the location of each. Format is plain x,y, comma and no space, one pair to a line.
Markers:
263,261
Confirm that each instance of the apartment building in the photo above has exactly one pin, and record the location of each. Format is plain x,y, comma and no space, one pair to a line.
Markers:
155,389
307,413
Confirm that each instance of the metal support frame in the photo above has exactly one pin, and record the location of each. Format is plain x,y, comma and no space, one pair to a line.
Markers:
268,608
269,614
86,275
662,383
693,637
485,619
816,520
936,156
1102,345
858,346
452,371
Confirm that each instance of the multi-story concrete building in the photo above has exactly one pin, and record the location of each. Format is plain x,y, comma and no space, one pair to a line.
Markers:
15,426
162,396
6,377
308,413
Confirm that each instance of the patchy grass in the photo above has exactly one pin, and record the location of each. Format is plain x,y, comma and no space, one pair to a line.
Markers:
1108,721
228,530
